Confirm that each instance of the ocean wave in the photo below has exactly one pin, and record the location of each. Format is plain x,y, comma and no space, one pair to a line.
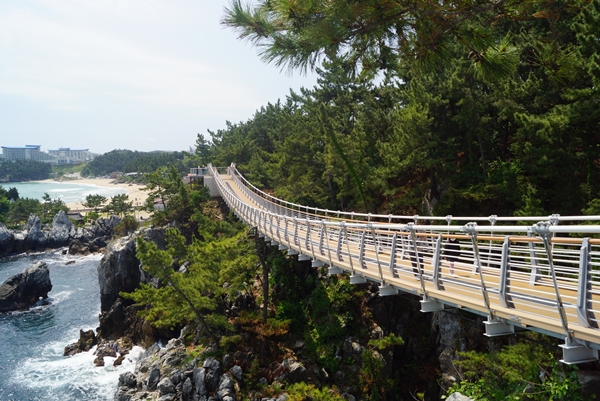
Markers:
75,377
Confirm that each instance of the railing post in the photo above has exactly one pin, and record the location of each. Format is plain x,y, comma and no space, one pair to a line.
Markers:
296,240
471,229
535,275
361,251
437,262
321,238
376,252
504,273
543,231
583,287
418,269
338,250
393,256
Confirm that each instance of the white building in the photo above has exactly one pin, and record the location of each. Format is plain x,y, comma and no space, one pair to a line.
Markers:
71,156
27,152
58,156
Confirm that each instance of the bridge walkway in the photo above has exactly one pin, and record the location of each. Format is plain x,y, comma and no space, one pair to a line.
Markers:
538,277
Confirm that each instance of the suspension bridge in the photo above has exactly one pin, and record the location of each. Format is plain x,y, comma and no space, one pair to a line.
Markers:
534,273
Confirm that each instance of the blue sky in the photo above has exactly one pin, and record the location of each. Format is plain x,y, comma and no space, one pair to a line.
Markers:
126,74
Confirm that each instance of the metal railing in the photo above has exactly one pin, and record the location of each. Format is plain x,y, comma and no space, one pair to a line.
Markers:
541,276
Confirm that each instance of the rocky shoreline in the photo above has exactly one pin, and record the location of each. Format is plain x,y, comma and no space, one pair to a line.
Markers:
62,232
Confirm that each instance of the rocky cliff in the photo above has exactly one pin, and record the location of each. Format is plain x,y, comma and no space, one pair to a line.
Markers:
120,271
25,289
62,232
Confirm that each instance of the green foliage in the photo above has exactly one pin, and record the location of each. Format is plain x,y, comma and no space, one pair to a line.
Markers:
4,208
128,225
50,207
119,204
524,371
373,380
387,341
23,170
170,199
227,343
94,201
20,210
191,295
303,391
480,131
12,194
91,216
127,161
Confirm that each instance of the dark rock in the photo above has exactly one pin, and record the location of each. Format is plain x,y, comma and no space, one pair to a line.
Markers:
25,289
7,240
227,361
236,372
103,350
153,378
119,270
211,364
225,389
111,322
199,378
296,371
127,379
76,247
119,360
35,238
187,388
87,339
62,230
590,382
165,386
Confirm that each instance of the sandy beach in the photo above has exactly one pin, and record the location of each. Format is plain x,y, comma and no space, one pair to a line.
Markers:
134,191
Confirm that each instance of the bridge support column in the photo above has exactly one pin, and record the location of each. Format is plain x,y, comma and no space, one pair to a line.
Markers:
574,353
334,270
387,290
495,327
357,279
303,257
292,252
430,305
317,263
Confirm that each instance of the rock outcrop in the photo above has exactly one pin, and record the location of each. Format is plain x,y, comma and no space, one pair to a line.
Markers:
87,339
63,230
25,289
162,373
120,271
34,237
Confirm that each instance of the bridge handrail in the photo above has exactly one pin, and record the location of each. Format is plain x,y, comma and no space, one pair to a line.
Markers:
554,218
525,275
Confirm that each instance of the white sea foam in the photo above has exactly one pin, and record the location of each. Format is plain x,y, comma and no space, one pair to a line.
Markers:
74,377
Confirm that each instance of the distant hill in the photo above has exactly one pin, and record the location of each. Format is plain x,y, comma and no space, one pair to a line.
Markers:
128,161
23,170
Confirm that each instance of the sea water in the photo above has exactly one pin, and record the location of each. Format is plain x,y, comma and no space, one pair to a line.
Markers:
68,192
32,342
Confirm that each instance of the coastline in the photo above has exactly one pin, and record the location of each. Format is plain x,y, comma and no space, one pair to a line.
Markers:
135,192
